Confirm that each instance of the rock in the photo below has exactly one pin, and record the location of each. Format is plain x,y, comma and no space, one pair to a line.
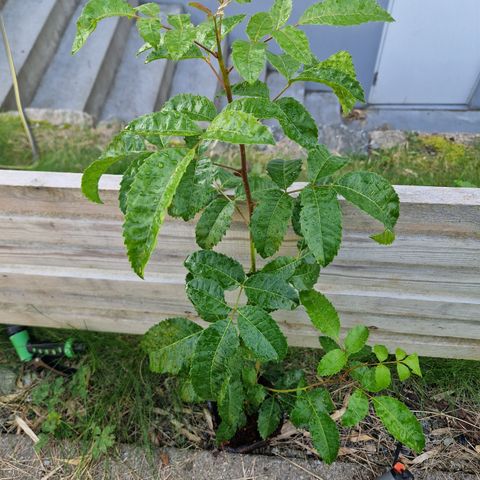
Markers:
342,139
8,380
386,139
57,117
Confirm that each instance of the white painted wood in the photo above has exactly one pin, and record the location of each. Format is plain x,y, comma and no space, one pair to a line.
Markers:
63,264
430,55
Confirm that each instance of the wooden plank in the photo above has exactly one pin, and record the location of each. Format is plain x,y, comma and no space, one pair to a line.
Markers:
62,263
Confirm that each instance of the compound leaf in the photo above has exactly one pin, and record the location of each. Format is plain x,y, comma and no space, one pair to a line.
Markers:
164,123
196,107
332,362
230,407
321,163
269,417
259,25
294,42
249,59
214,222
284,64
284,172
208,298
280,12
356,339
270,292
357,409
308,403
321,312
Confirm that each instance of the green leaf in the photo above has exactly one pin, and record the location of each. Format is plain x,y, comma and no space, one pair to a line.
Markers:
214,222
180,39
321,312
387,237
127,180
208,299
168,123
195,190
270,292
196,107
357,409
332,363
294,42
284,64
259,186
284,172
256,395
338,73
400,422
381,352
308,404
328,344
325,437
256,89
93,12
249,59
400,354
226,271
383,377
280,12
321,163
239,128
269,417
344,12
297,122
150,9
372,194
282,267
413,363
230,408
321,222
148,199
170,344
270,221
403,372
261,334
356,339
124,146
260,24
150,30
306,274
216,345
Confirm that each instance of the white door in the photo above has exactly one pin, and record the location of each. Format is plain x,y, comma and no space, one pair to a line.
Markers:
430,55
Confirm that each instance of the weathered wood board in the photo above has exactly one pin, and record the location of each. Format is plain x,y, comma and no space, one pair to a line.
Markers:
63,264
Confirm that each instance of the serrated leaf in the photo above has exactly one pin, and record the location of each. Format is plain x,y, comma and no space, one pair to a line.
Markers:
261,334
308,403
95,11
383,377
344,12
168,123
400,422
356,339
321,312
284,172
270,220
294,42
161,52
297,123
306,274
282,267
280,12
372,194
403,372
196,107
249,59
357,409
332,363
249,375
150,9
321,163
381,352
255,89
208,298
226,271
328,344
338,73
413,363
321,222
150,30
150,195
127,180
259,25
284,64
239,128
195,190
270,292
325,437
170,344
214,222
180,39
230,407
255,395
124,145
259,186
216,345
269,417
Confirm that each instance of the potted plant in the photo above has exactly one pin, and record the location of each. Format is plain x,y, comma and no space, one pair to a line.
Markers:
234,361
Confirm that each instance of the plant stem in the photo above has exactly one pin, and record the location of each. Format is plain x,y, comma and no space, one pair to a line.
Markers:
287,86
243,154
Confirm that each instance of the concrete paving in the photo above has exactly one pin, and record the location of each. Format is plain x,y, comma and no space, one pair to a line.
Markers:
17,456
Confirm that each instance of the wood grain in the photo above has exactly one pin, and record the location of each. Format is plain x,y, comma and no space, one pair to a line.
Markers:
63,264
